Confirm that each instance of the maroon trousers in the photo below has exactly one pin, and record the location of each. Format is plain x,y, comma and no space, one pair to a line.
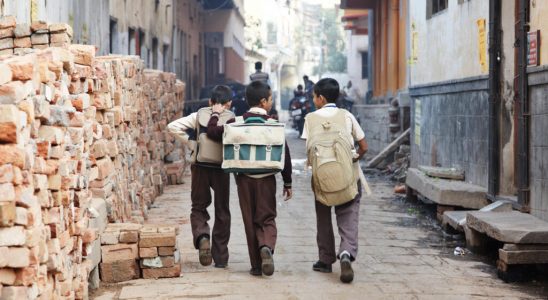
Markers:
347,222
204,178
258,204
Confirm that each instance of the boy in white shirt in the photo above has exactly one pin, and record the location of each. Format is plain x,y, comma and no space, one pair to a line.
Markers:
325,94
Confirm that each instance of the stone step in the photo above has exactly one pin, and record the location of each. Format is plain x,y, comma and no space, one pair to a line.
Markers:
509,227
457,218
447,192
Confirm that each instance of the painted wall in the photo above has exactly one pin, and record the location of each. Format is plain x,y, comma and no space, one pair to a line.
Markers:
539,21
356,44
447,43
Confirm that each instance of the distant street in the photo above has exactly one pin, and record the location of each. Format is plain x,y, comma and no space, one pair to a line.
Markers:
402,255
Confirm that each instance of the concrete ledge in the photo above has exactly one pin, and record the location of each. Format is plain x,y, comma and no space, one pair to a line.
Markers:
447,192
509,227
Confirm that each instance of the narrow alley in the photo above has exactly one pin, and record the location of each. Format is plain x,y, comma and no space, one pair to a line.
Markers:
402,254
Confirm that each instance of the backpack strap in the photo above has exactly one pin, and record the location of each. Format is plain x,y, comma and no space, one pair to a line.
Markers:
239,120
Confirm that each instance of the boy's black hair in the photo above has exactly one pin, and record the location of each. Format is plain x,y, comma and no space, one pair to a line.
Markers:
256,91
258,65
328,88
221,94
305,77
300,87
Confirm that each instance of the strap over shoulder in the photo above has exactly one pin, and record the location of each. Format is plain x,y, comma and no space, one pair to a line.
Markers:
204,114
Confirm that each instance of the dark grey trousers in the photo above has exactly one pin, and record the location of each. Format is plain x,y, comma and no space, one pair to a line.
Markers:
347,216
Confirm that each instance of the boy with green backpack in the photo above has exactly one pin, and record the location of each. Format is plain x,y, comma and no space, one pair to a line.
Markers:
330,135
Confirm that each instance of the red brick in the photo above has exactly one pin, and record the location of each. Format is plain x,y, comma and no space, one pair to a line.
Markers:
83,54
26,276
6,33
14,293
18,257
15,91
5,73
157,240
119,271
7,22
174,271
112,253
12,154
105,167
23,67
22,42
166,251
39,26
129,237
148,252
7,213
89,235
7,276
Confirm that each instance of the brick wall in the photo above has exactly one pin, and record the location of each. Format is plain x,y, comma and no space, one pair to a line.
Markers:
82,141
375,123
453,127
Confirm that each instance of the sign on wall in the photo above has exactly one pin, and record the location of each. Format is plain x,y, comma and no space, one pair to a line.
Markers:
414,57
482,45
533,45
418,122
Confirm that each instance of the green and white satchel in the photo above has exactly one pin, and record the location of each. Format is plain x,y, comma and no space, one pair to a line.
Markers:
254,146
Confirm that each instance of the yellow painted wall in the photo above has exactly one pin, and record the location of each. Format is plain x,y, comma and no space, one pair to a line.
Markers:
539,21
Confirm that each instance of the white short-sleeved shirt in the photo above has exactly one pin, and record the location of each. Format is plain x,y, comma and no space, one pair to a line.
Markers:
330,110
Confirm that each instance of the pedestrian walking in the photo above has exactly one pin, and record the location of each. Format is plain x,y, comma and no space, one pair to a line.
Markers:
259,75
257,192
330,133
207,174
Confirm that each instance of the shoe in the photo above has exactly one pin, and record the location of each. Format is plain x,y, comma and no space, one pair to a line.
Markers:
321,267
220,266
347,274
267,261
204,252
256,271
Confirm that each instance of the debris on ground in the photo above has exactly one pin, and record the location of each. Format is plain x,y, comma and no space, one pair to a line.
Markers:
399,189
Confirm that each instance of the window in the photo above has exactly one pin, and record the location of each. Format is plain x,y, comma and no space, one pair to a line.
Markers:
132,43
165,59
113,37
435,6
155,53
141,43
365,65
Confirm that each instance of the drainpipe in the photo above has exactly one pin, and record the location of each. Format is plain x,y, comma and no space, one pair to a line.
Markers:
495,50
523,106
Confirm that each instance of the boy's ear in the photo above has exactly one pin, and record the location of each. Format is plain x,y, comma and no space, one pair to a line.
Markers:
263,101
322,98
210,102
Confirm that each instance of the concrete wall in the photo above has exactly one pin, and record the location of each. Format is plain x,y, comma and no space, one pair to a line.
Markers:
448,41
374,120
538,160
453,126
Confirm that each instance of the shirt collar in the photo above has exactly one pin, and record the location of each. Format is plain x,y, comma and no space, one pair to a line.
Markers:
332,105
258,110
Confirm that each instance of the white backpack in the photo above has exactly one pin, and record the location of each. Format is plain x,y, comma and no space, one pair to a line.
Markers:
329,148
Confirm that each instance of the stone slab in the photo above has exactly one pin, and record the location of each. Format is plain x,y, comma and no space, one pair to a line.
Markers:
447,192
509,227
453,218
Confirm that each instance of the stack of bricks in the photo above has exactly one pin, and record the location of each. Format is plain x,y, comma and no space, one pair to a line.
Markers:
129,250
158,252
120,252
81,143
18,38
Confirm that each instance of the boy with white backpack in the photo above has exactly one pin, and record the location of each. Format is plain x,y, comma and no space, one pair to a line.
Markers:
331,133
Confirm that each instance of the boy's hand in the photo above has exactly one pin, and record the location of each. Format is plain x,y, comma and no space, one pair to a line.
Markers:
217,108
288,193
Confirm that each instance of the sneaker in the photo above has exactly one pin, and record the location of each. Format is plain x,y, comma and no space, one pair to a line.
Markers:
267,261
204,252
256,271
347,274
321,267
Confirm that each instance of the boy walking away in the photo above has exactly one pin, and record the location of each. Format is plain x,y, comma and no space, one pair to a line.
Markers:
257,192
330,134
206,173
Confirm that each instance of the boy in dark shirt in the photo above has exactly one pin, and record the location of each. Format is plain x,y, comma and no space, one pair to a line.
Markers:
257,192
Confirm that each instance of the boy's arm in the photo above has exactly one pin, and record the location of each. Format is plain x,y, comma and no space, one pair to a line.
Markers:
215,132
362,149
179,127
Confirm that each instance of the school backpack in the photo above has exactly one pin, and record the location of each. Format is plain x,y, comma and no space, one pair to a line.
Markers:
254,146
208,151
329,148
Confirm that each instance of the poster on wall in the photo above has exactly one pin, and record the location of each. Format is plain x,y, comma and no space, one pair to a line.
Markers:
533,43
482,45
418,123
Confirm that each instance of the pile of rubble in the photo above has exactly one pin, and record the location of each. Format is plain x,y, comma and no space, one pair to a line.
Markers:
82,143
